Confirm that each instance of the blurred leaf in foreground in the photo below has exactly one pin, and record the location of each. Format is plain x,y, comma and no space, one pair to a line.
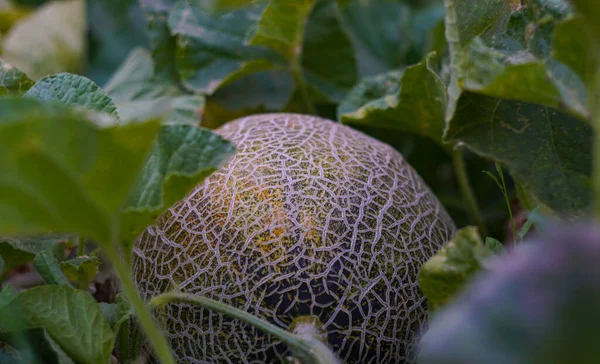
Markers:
537,304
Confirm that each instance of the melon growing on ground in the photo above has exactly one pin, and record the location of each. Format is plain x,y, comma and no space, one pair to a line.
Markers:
310,217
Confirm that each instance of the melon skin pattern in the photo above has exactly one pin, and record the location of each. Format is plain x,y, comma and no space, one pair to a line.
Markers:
310,217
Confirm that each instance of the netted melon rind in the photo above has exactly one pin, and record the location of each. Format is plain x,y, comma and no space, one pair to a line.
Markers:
309,218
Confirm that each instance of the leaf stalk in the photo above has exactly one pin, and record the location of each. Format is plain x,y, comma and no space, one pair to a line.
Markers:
151,329
466,190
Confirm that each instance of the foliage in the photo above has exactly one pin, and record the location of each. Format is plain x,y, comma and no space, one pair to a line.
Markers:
100,107
535,305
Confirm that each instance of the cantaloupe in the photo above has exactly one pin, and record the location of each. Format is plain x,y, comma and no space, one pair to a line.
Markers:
310,217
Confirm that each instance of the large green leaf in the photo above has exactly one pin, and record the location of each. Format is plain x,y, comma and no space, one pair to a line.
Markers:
388,34
50,40
444,275
12,81
535,305
139,95
590,10
412,100
281,26
212,44
73,90
64,170
548,151
328,61
114,28
72,318
181,157
574,50
517,64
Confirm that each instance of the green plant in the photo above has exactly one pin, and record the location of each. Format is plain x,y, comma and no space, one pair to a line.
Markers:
457,86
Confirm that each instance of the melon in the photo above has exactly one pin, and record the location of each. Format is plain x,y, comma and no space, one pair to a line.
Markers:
309,218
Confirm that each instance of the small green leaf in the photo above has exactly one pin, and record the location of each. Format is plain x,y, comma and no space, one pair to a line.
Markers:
48,267
12,81
456,263
529,223
412,101
16,252
50,40
81,269
116,313
13,256
59,168
494,245
181,157
73,90
72,318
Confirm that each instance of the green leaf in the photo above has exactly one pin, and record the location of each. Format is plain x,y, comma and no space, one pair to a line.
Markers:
449,270
181,157
590,10
518,66
59,168
116,313
547,151
281,26
212,47
328,61
388,34
537,305
574,50
48,267
12,81
412,100
14,253
164,46
139,95
50,40
529,223
114,28
82,269
494,245
73,90
72,318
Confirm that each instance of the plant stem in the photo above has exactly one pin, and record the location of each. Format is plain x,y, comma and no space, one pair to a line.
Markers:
153,332
80,246
304,348
594,106
466,189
